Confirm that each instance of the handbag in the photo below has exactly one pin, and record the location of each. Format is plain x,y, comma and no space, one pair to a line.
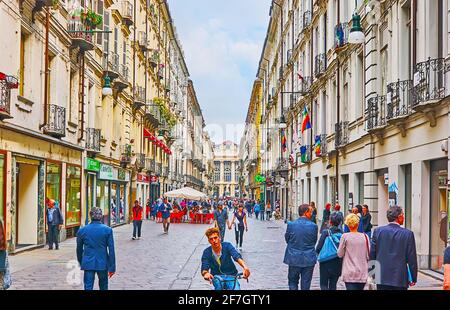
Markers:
329,249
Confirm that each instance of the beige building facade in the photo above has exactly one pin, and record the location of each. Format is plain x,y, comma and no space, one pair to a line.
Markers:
226,170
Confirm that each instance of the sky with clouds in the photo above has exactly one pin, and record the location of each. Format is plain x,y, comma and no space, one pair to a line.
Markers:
222,42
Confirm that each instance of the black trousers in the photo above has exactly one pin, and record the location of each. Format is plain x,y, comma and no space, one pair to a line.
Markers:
328,280
53,236
137,226
239,231
381,287
354,286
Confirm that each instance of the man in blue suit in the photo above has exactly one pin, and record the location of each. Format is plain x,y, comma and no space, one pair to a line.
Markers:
394,248
95,251
300,255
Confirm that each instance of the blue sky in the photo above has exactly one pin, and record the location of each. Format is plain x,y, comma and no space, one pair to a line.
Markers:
222,42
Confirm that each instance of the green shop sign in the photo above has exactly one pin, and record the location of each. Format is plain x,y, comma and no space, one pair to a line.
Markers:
260,179
106,172
92,165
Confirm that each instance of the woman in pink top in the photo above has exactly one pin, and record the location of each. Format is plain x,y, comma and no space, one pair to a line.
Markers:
354,248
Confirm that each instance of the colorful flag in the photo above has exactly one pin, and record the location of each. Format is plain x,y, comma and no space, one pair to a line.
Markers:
318,146
283,141
306,121
304,154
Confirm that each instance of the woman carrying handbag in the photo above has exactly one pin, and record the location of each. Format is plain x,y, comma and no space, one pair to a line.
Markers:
5,275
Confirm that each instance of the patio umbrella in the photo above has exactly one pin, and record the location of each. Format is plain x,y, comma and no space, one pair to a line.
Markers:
186,193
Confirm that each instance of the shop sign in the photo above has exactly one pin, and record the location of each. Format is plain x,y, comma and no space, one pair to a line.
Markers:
92,164
143,178
121,174
106,172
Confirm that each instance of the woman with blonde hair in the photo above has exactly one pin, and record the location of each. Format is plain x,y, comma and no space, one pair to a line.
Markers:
354,249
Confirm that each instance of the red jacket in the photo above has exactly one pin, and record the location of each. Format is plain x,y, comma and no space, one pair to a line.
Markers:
137,213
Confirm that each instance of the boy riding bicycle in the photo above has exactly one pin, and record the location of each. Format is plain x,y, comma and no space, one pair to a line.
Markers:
217,260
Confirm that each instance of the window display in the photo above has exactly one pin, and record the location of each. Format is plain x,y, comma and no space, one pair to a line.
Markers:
73,196
53,185
103,199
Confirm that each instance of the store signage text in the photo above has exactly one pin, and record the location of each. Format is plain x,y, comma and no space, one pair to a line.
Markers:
106,172
92,165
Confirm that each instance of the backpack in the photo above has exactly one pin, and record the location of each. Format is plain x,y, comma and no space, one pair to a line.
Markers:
330,247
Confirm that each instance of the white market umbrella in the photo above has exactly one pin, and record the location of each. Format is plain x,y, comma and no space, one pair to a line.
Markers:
186,193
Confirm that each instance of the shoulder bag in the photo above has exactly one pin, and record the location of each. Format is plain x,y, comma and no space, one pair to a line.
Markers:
330,248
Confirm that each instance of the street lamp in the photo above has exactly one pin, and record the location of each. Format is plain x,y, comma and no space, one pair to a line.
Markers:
282,124
356,33
107,90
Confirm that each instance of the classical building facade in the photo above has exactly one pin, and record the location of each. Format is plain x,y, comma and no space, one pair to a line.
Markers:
226,170
379,112
93,105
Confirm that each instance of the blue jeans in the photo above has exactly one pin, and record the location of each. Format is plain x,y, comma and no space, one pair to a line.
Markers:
294,274
89,279
137,225
222,232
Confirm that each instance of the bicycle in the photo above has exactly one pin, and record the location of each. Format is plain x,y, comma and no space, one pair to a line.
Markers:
227,282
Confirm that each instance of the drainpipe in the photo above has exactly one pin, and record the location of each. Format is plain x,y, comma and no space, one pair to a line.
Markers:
82,96
312,99
338,98
46,69
134,51
414,32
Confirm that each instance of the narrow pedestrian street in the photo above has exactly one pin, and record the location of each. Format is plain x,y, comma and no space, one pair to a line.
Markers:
172,261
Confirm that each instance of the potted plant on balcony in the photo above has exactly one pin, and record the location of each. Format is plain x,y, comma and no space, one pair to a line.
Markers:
91,20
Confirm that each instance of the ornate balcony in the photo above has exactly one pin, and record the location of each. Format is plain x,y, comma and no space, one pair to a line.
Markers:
158,169
82,35
429,83
307,18
125,157
161,73
150,165
93,140
139,97
152,114
111,65
5,100
56,124
140,161
282,166
305,85
376,114
341,33
122,82
127,13
165,172
154,58
143,41
398,101
289,56
341,135
320,65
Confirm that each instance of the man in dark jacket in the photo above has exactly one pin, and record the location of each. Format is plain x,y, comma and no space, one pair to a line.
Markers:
54,222
95,251
300,255
394,248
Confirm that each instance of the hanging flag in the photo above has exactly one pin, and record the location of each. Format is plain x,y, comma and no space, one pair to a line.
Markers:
306,121
283,141
304,154
318,146
147,134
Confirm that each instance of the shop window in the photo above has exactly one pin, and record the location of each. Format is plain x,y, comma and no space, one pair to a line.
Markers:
103,199
73,196
53,185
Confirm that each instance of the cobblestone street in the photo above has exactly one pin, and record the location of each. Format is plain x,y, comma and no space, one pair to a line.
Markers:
172,261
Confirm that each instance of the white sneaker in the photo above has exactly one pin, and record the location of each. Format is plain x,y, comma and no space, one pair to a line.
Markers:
133,238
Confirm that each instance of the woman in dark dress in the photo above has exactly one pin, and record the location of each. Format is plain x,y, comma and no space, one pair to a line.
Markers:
366,219
326,217
330,270
241,224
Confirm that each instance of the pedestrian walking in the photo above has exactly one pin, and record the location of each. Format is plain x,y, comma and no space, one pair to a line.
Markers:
239,227
257,209
394,248
164,207
447,269
268,210
300,255
5,272
354,249
137,220
154,210
262,213
326,217
330,269
221,219
54,223
248,207
314,212
366,219
148,209
357,210
95,251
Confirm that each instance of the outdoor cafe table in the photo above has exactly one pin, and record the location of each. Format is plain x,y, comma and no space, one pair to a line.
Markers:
201,218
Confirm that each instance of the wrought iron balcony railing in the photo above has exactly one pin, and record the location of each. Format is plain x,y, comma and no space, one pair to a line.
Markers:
158,169
140,161
127,12
307,18
154,58
150,165
125,154
161,73
124,72
399,99
320,65
111,65
282,164
289,56
153,114
341,33
376,113
429,82
341,135
139,95
56,125
81,34
93,139
305,85
5,100
165,172
143,40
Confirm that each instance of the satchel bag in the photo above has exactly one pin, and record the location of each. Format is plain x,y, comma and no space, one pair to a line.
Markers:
330,248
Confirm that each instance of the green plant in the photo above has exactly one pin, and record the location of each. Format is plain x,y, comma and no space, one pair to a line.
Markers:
91,19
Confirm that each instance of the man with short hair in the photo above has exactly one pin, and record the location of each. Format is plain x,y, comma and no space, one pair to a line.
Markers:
54,223
95,251
218,258
300,255
137,220
221,219
394,248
